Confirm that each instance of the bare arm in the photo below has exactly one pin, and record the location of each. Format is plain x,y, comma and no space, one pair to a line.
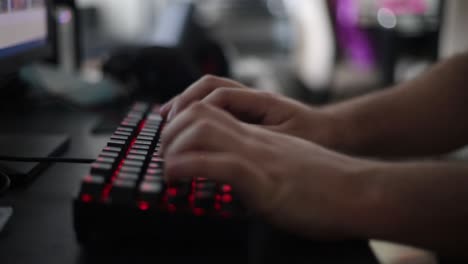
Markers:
422,204
305,188
426,116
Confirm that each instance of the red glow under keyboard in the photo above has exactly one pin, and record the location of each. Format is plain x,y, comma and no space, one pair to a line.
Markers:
129,172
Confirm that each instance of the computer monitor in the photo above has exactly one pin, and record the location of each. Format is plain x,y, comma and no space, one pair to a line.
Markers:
23,33
24,39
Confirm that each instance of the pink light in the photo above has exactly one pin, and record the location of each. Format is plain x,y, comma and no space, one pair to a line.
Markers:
144,206
400,7
227,188
198,211
226,198
86,198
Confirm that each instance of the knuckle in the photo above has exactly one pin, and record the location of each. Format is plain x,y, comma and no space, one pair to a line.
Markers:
221,93
208,78
198,107
177,102
203,126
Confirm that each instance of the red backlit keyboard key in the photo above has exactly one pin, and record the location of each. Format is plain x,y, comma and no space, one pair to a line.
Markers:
125,129
145,138
204,199
92,185
109,154
106,160
130,169
138,152
119,137
123,191
123,133
112,149
151,192
143,142
141,147
137,163
117,143
127,176
153,178
136,157
101,168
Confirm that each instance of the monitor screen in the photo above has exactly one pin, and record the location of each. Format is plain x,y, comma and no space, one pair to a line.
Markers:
23,26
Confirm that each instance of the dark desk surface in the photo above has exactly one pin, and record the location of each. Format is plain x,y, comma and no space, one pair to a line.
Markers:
40,230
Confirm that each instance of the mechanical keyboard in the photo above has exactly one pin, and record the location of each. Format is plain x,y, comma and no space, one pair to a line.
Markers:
124,197
124,205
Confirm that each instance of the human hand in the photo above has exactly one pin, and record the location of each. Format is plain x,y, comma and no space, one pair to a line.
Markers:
293,183
271,111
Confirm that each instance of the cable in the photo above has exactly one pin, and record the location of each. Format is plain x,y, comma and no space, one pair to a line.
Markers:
48,159
5,181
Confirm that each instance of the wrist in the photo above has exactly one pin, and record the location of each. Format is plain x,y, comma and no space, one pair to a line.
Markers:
338,133
362,195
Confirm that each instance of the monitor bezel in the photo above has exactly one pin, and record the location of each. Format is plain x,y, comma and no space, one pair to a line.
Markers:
12,64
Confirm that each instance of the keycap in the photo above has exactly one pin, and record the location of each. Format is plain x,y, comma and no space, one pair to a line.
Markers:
155,117
152,127
123,191
226,188
101,168
135,114
148,134
206,186
112,149
204,199
130,169
145,138
151,192
154,171
129,124
142,147
132,118
119,137
125,129
139,152
109,154
154,165
122,133
157,160
150,130
140,107
143,142
93,185
137,163
127,176
116,143
178,193
136,157
154,123
106,160
153,177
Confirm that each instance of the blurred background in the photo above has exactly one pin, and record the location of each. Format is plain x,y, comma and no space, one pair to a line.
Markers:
314,51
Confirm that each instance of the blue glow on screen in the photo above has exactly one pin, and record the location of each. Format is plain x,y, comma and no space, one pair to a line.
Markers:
10,51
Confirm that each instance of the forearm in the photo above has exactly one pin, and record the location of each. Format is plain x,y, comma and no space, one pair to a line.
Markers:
422,204
422,117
